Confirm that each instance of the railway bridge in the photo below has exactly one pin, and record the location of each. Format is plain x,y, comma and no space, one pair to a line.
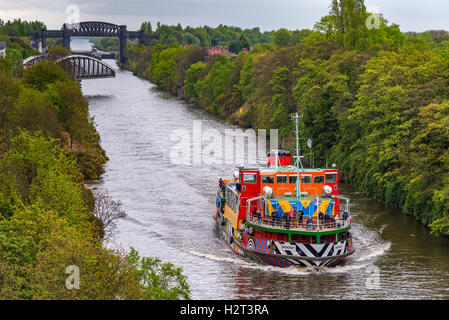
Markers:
90,29
78,67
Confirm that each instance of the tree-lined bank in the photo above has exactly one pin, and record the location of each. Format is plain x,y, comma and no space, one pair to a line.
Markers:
49,221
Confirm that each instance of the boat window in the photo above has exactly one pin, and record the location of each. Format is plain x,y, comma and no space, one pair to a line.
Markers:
331,177
281,179
306,179
250,178
318,179
267,179
292,179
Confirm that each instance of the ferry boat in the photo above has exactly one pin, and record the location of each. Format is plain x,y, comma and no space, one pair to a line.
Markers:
285,215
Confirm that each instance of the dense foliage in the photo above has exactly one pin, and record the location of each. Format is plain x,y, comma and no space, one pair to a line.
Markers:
207,36
48,148
19,28
16,50
106,44
374,100
233,38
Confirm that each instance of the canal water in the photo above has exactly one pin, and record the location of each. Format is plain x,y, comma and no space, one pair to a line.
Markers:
169,210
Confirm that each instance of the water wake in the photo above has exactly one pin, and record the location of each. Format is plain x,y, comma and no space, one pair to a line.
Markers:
299,271
374,252
252,265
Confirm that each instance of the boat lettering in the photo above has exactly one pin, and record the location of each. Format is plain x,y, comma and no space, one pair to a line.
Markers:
289,247
338,246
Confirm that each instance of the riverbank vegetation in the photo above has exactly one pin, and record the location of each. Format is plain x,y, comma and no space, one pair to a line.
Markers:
374,100
231,37
52,228
106,44
20,28
16,35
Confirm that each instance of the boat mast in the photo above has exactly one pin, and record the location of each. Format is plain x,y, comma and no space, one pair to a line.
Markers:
298,161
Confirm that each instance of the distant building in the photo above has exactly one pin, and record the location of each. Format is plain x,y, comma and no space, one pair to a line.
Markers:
2,48
216,51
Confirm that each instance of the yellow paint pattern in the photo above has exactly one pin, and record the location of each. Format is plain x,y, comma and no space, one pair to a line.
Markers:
231,216
286,206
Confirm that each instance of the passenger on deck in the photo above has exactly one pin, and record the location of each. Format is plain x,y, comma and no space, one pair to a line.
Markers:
321,217
280,216
287,221
345,216
274,217
258,216
301,214
332,221
280,213
222,185
277,218
310,223
327,221
242,226
291,214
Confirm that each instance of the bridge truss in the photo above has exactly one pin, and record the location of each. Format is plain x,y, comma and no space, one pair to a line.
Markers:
91,29
78,67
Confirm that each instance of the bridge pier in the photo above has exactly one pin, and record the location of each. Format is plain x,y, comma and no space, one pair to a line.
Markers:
44,40
123,40
66,37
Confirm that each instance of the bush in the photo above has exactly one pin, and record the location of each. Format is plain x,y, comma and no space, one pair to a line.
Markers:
44,73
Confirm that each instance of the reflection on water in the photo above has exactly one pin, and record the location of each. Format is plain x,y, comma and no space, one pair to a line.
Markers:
169,212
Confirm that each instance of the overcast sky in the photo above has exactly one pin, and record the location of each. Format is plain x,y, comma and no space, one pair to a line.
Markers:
411,15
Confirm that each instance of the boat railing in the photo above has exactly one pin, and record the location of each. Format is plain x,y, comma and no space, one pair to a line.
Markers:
221,193
304,224
232,198
338,221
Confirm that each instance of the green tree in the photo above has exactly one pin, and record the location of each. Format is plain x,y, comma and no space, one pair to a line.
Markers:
191,78
350,22
35,112
281,102
163,67
157,280
44,73
146,27
214,85
282,37
188,38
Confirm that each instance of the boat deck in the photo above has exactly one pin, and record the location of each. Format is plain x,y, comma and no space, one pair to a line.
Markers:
307,224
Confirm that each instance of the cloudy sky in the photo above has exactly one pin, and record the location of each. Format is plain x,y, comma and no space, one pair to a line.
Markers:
411,15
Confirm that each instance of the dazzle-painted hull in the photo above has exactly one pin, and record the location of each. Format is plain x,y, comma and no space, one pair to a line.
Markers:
285,254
